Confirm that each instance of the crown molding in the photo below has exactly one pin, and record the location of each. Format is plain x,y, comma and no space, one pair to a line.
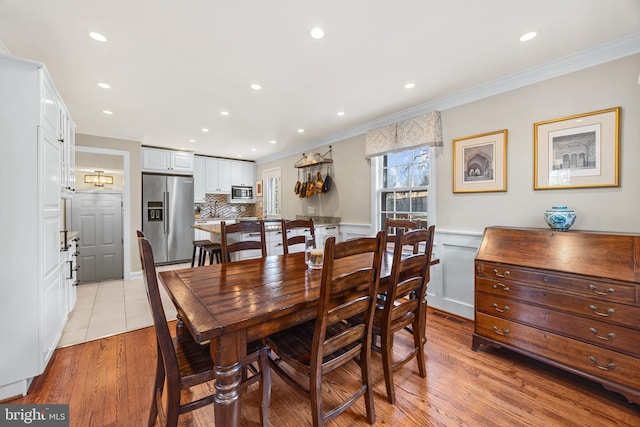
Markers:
626,46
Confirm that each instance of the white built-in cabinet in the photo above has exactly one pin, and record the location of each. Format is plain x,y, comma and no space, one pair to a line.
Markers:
199,177
217,175
214,175
167,161
243,173
35,130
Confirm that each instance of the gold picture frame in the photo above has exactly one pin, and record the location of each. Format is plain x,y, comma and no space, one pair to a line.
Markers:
580,151
480,163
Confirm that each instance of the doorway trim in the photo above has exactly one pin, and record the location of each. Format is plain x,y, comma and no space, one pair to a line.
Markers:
126,202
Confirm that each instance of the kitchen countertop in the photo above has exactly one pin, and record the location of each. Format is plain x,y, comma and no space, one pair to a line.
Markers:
270,225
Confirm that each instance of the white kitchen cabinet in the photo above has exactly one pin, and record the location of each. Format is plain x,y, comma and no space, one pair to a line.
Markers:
158,160
199,179
32,298
243,173
323,232
217,176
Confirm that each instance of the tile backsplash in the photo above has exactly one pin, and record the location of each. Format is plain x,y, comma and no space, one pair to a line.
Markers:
218,206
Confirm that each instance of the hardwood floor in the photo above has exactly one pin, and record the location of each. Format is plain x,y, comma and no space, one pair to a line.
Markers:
108,382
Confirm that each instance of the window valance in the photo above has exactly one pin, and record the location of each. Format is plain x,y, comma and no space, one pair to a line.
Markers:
420,131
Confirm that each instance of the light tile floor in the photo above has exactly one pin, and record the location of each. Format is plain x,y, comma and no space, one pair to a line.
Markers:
109,308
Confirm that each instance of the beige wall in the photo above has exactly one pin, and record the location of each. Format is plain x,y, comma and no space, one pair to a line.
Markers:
349,197
607,209
135,186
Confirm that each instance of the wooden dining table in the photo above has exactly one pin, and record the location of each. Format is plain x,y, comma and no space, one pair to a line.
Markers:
233,303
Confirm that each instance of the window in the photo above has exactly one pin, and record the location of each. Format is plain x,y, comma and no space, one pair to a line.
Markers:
271,193
403,185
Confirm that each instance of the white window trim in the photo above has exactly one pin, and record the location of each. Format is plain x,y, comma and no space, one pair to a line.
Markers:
376,182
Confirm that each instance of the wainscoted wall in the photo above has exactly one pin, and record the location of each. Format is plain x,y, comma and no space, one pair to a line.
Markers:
451,286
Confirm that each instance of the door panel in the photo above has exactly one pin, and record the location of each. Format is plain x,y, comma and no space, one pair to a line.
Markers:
98,218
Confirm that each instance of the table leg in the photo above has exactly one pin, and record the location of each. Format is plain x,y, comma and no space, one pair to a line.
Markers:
227,352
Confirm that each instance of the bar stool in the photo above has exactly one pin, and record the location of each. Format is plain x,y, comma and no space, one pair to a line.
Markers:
210,249
198,246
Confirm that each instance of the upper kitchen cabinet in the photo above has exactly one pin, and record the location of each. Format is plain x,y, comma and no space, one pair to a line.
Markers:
31,156
217,176
199,179
243,173
167,161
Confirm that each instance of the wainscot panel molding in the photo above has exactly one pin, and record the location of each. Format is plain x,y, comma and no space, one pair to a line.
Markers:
451,285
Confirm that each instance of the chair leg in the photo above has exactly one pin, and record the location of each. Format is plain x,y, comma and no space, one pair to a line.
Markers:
387,364
202,257
316,400
173,403
265,386
365,366
193,257
419,340
157,388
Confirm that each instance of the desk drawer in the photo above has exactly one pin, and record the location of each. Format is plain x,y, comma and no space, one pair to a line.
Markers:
589,287
599,333
624,315
589,359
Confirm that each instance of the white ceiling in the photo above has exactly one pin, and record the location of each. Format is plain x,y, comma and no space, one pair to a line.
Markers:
173,66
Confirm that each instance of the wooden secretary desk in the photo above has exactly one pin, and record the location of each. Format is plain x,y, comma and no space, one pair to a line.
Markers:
569,299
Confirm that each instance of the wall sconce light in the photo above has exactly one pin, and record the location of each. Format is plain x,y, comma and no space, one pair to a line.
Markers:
98,180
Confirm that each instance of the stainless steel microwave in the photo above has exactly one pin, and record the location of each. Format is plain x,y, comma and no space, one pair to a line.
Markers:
241,194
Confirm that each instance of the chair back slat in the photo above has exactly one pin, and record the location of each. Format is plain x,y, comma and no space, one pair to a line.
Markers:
392,226
348,296
243,227
295,225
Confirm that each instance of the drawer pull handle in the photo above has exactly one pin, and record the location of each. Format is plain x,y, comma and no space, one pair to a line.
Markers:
610,366
610,336
499,332
504,287
607,314
506,307
497,273
595,290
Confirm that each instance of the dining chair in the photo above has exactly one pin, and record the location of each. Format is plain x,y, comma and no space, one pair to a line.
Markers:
184,363
315,348
392,225
295,225
237,243
404,306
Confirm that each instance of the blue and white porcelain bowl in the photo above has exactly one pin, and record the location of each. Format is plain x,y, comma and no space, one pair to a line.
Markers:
559,218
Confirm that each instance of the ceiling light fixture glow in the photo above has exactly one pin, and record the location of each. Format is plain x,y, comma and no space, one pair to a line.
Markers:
340,113
273,141
107,112
97,36
192,140
409,85
205,130
224,113
300,130
317,33
528,36
104,85
256,86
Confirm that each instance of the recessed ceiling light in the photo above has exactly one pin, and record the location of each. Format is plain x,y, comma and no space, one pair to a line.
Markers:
256,86
253,149
300,130
340,113
409,85
104,85
97,36
239,155
273,141
224,113
528,36
192,140
317,33
205,130
107,112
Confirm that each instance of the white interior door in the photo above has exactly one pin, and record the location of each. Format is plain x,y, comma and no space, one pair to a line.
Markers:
98,218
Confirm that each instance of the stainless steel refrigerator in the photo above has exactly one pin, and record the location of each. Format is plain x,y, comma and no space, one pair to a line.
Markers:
167,216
